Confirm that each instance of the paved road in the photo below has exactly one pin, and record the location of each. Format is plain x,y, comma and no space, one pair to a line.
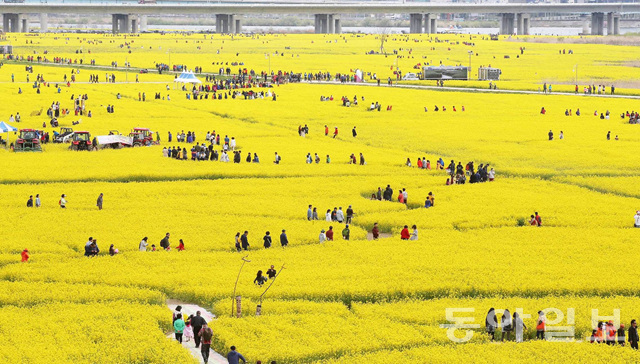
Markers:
190,309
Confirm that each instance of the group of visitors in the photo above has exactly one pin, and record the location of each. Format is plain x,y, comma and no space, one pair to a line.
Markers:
458,173
316,159
62,202
535,220
164,244
607,333
242,241
406,235
510,323
91,248
387,195
328,235
335,215
262,279
444,108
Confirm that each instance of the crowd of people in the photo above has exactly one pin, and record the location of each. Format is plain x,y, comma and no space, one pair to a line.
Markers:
458,173
242,241
605,332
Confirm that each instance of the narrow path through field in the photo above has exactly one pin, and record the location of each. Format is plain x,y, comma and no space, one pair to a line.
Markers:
469,89
191,309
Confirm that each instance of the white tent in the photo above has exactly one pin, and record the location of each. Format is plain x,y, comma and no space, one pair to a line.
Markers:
187,77
6,128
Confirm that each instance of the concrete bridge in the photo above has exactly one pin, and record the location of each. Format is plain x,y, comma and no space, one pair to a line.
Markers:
129,18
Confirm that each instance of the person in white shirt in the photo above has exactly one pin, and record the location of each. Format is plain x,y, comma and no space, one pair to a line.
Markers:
492,175
405,195
232,143
63,201
143,244
323,236
637,219
414,233
328,216
38,200
340,215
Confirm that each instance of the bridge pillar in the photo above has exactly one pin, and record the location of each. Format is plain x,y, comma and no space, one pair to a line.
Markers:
23,23
44,22
143,26
430,23
222,23
415,23
227,23
507,21
338,24
120,23
331,23
613,19
134,25
522,21
597,23
7,22
325,24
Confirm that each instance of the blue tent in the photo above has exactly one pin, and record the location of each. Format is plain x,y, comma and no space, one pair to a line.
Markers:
6,128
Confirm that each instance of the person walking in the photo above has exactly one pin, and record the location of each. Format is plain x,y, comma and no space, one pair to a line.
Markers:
179,326
267,240
99,201
519,326
353,131
349,214
541,323
143,244
63,201
375,231
329,234
310,213
346,232
284,241
244,240
38,200
198,323
204,335
491,322
506,325
621,335
633,335
30,201
637,219
234,357
164,243
24,256
322,237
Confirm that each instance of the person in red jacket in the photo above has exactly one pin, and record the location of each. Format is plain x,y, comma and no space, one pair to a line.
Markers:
335,133
404,234
326,130
329,233
25,255
180,246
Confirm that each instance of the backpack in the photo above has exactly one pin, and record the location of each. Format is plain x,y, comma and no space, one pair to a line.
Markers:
207,334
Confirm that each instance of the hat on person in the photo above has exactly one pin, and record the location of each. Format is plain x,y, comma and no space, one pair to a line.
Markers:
322,231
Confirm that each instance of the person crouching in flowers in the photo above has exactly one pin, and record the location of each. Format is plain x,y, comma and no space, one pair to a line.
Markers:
260,279
180,246
25,256
404,234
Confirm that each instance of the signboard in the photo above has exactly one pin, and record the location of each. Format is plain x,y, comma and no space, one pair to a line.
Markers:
445,73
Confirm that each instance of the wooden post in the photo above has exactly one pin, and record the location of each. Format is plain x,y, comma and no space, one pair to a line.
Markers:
244,260
239,306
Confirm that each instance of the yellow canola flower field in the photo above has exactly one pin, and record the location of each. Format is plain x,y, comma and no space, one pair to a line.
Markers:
339,301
